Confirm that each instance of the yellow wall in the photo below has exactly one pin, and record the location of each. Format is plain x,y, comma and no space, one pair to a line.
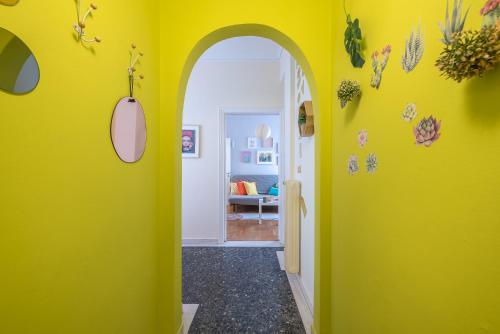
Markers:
91,245
77,226
416,245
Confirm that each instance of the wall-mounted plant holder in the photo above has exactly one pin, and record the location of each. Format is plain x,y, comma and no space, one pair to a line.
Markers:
19,71
81,25
348,91
9,2
128,130
135,57
306,119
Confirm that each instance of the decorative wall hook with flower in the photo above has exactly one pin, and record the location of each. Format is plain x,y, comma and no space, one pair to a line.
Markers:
427,131
379,62
135,56
82,23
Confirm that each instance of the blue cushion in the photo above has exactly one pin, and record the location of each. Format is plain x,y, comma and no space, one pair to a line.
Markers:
274,191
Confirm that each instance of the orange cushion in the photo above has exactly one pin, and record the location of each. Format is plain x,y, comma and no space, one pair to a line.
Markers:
241,188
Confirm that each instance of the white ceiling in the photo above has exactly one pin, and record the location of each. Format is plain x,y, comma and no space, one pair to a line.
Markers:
244,48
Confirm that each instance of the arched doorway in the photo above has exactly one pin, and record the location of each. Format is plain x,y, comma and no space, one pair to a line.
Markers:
280,38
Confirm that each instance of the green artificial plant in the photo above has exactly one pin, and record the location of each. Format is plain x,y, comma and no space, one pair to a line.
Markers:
347,91
352,41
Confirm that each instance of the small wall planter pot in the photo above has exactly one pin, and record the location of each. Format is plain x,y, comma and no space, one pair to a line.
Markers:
306,119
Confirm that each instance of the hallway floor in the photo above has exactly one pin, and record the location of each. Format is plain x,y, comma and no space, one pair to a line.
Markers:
239,290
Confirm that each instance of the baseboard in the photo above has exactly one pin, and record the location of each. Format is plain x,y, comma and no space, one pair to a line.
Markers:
179,331
200,242
307,298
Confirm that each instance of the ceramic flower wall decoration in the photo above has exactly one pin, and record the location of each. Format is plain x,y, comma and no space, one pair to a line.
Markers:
414,50
371,163
362,138
410,112
81,25
379,62
427,131
353,165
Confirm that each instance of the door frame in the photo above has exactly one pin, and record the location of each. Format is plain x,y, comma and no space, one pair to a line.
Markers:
223,112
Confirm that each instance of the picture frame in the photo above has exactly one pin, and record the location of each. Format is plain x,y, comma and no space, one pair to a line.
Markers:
268,143
190,141
265,157
252,142
246,157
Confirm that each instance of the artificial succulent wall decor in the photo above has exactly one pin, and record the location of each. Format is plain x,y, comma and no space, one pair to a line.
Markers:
81,24
362,138
353,165
347,91
414,50
379,62
427,131
491,13
472,53
455,24
410,112
352,41
371,163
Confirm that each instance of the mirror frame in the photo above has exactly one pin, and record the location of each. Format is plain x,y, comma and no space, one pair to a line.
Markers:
37,65
129,99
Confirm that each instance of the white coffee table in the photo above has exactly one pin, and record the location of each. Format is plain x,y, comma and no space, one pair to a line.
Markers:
267,201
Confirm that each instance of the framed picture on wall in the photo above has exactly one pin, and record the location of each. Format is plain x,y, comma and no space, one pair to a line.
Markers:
252,142
268,143
265,157
190,141
246,157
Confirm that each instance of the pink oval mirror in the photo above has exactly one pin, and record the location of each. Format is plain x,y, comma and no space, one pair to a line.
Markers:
128,130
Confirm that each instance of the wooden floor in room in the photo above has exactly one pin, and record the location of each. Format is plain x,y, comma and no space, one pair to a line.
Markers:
251,230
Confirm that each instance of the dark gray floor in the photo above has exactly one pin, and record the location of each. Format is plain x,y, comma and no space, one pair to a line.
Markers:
240,290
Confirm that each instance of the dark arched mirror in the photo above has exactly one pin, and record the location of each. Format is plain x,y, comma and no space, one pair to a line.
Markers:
19,71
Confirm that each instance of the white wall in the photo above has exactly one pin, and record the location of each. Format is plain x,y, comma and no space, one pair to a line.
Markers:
214,84
239,128
300,158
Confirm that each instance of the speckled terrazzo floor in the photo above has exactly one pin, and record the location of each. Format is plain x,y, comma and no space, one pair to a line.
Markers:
240,290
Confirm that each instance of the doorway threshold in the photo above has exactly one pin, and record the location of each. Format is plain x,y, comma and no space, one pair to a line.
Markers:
236,244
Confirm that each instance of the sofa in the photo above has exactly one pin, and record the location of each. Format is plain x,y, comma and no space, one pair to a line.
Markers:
263,182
